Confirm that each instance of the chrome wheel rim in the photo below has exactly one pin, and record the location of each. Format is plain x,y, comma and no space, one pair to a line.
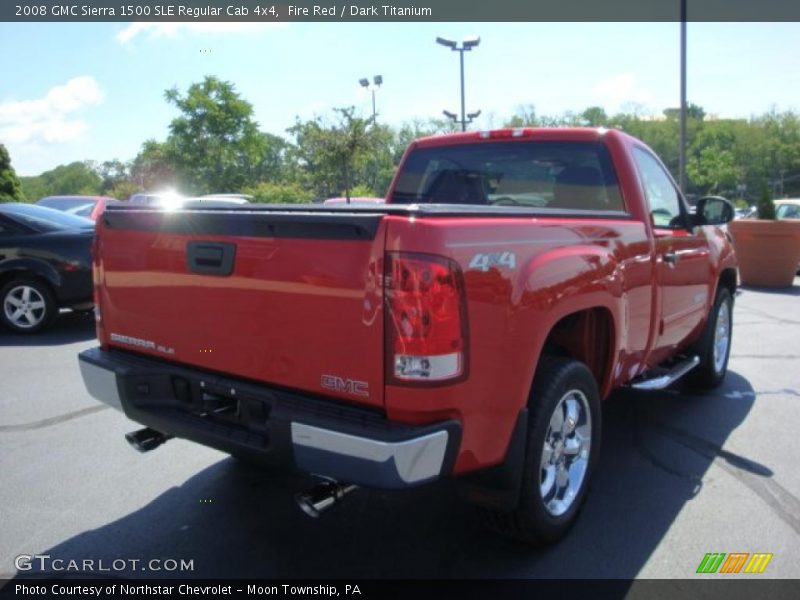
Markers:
565,455
24,307
722,336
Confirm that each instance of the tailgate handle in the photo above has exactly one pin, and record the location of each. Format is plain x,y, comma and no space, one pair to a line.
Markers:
210,258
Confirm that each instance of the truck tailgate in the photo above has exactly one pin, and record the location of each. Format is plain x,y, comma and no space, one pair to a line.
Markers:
291,299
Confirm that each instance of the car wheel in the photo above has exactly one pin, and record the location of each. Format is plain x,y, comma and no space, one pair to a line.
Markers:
714,346
562,449
28,305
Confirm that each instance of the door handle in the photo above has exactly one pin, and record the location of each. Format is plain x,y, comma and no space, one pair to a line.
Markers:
670,257
210,258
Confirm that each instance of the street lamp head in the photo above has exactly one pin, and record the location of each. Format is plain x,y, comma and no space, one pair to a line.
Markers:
450,115
449,43
474,115
364,82
470,42
378,79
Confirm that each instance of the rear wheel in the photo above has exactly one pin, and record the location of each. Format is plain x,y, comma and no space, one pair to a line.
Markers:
562,450
28,305
714,346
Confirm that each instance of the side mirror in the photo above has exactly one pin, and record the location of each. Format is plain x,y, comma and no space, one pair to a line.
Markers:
713,210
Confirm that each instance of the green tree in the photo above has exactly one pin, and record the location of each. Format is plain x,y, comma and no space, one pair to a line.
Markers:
112,173
333,158
693,111
271,152
153,168
123,190
79,178
10,186
594,116
279,193
215,144
713,170
33,188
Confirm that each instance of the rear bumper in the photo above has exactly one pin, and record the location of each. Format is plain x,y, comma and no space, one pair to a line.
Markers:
275,426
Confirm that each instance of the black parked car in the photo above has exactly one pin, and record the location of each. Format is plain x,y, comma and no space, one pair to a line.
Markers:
45,264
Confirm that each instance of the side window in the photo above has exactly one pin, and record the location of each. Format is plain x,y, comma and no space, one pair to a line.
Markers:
788,211
663,198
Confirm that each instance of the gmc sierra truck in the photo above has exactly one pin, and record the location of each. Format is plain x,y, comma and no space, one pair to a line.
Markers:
468,328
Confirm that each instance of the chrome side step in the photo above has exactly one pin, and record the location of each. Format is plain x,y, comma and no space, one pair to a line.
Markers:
659,382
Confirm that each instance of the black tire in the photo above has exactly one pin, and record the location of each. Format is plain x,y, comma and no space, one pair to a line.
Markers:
710,372
533,521
39,310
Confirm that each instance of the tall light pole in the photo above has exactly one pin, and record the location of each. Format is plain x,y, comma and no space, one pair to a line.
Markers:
682,143
377,81
466,45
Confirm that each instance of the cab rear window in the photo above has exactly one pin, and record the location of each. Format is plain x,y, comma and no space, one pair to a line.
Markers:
563,175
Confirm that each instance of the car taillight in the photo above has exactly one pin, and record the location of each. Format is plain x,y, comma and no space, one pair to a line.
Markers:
426,319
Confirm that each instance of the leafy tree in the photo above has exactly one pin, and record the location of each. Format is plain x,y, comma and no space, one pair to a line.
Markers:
279,193
361,191
77,178
123,190
333,157
380,164
693,111
33,188
594,116
272,152
153,169
10,186
713,169
112,173
215,144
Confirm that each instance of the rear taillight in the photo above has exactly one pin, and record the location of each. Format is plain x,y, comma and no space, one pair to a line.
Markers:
426,319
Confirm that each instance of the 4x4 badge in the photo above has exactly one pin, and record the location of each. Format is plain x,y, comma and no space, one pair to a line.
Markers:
485,261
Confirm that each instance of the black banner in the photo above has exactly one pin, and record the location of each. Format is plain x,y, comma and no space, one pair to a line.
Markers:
396,10
649,589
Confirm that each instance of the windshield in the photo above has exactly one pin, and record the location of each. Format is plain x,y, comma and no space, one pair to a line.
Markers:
43,219
565,175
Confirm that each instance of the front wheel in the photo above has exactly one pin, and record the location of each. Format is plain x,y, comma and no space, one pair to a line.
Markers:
562,449
714,346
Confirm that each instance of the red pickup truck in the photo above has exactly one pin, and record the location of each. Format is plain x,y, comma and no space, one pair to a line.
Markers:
468,328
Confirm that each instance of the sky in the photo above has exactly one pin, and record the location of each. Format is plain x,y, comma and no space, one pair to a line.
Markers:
95,91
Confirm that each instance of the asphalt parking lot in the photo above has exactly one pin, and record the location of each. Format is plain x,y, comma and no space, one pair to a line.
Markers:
680,475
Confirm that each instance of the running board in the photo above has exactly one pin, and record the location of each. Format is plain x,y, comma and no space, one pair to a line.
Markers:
659,382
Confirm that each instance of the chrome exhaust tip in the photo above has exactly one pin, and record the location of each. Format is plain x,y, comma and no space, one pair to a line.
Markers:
146,439
322,496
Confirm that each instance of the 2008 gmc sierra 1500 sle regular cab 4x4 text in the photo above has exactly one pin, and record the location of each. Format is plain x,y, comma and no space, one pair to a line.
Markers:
469,327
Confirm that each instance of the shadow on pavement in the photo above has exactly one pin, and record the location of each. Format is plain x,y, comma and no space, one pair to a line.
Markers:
786,291
68,328
238,521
